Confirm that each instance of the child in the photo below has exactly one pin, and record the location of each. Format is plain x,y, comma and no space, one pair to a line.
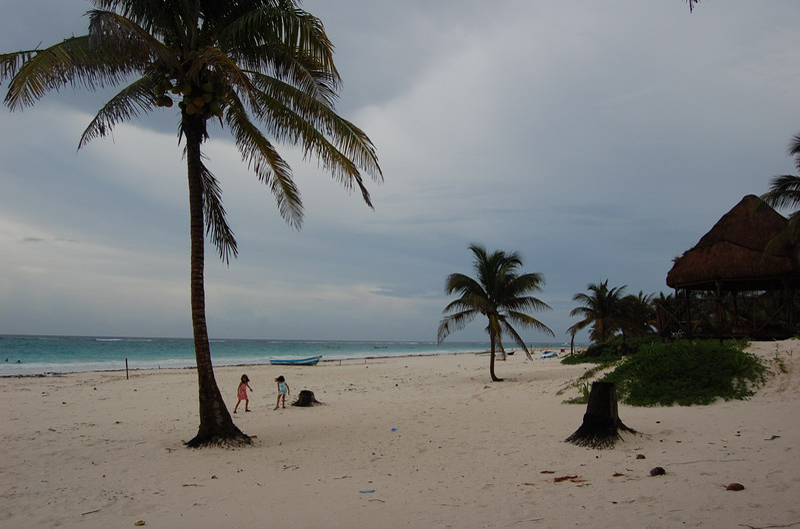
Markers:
283,390
243,387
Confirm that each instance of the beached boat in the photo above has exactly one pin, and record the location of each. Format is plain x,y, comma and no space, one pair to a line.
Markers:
310,361
549,354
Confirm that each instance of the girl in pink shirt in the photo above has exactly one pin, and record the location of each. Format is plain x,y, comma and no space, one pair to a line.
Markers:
243,387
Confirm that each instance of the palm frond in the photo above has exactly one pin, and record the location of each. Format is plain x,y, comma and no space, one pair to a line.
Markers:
287,40
574,329
73,62
463,284
127,104
527,303
123,40
265,161
292,116
217,228
454,322
10,63
517,339
784,192
794,150
526,320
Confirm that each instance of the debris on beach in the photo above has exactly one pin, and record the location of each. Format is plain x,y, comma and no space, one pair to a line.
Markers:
564,478
735,486
657,471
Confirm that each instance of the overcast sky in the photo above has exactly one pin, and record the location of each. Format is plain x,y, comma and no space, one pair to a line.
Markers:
598,139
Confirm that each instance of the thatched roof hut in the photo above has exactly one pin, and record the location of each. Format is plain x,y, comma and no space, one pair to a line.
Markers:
748,284
732,255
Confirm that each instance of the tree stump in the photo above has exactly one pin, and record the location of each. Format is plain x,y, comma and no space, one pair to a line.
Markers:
306,399
601,422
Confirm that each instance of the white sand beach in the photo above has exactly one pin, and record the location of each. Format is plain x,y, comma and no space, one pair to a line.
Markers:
402,442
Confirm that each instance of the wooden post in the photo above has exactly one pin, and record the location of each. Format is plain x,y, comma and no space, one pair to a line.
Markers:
126,370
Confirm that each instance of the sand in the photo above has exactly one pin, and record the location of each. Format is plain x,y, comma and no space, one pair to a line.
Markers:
403,442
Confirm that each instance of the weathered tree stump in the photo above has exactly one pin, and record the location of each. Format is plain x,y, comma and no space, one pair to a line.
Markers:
306,399
601,422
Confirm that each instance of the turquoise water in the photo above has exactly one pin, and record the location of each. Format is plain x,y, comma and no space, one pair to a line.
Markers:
25,355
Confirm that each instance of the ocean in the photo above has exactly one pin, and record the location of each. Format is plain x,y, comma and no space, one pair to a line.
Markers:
29,355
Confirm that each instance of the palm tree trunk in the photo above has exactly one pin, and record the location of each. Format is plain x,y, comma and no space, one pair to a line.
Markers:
601,422
216,425
492,342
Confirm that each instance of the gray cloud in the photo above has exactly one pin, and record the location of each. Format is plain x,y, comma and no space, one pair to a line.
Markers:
599,140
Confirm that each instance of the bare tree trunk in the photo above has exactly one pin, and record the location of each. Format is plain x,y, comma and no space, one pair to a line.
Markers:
601,422
493,342
306,399
216,425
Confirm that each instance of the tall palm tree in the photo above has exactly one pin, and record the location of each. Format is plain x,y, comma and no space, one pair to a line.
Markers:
602,309
263,68
498,292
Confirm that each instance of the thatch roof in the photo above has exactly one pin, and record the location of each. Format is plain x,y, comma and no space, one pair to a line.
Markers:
731,256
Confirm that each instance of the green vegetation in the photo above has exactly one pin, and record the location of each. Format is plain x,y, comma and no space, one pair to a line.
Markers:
778,360
609,313
613,351
687,373
584,385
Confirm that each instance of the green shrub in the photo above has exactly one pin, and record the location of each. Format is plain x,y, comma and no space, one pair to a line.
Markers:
686,373
609,352
583,398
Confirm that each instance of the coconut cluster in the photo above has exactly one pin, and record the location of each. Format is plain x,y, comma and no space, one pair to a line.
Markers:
196,99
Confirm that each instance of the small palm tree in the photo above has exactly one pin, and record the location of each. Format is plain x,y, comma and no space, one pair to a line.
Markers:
250,65
602,309
497,292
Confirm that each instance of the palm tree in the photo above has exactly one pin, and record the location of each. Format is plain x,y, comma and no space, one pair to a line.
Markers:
638,314
785,193
261,67
602,308
499,293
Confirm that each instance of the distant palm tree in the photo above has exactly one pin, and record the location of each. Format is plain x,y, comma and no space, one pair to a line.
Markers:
497,292
246,63
602,309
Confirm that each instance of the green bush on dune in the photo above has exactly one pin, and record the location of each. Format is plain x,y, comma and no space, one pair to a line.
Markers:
687,373
609,352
